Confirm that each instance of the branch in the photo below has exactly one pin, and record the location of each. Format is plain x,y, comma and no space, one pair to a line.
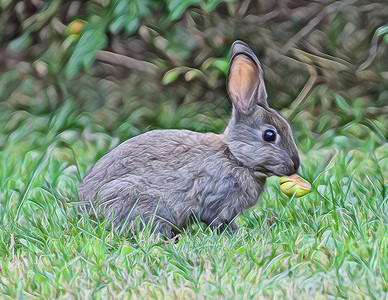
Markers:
304,93
335,6
373,49
125,61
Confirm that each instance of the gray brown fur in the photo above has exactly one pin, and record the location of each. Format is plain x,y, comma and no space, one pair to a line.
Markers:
176,174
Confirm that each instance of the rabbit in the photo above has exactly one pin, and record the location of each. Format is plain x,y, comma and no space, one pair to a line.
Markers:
167,177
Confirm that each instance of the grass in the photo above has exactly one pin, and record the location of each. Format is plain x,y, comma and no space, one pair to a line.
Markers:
331,243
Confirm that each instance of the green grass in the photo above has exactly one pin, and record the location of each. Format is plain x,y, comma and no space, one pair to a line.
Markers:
332,242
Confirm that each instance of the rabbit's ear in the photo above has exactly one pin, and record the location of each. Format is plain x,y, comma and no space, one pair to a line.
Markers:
245,82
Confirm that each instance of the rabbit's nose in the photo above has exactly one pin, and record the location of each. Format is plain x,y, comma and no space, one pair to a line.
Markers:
296,161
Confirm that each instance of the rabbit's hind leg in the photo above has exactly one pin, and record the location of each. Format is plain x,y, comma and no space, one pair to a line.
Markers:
144,213
132,207
158,217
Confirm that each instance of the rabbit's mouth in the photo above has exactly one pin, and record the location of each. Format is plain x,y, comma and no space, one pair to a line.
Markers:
266,172
262,172
260,175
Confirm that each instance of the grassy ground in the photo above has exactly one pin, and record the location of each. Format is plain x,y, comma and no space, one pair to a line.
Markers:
332,242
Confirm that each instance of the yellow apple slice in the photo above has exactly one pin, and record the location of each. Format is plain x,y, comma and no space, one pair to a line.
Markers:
294,184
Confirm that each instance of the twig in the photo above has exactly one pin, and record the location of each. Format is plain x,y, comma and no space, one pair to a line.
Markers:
310,58
58,25
304,92
335,6
373,48
125,61
377,111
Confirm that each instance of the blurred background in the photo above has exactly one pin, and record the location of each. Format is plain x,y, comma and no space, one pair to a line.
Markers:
126,66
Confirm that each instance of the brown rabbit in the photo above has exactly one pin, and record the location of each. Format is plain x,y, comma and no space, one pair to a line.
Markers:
168,176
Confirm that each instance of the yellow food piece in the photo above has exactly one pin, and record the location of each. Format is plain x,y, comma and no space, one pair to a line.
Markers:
294,184
76,26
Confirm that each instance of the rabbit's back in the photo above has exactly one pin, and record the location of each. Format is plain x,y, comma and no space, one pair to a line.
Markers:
158,154
185,172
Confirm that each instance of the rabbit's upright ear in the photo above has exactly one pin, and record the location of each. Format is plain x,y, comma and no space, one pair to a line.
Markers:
245,82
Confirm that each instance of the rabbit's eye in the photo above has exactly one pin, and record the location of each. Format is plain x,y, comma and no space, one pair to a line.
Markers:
269,135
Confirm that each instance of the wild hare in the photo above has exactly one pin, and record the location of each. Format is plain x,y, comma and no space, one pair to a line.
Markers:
169,176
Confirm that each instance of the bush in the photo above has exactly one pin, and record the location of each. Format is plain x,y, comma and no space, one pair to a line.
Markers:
316,56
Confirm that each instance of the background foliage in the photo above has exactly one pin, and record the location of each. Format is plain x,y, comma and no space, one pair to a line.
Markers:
316,55
78,77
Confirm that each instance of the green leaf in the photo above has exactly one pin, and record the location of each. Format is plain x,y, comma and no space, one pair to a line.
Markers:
170,76
382,30
132,26
190,75
91,39
177,7
221,64
242,249
212,4
341,103
121,7
118,24
20,42
143,7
